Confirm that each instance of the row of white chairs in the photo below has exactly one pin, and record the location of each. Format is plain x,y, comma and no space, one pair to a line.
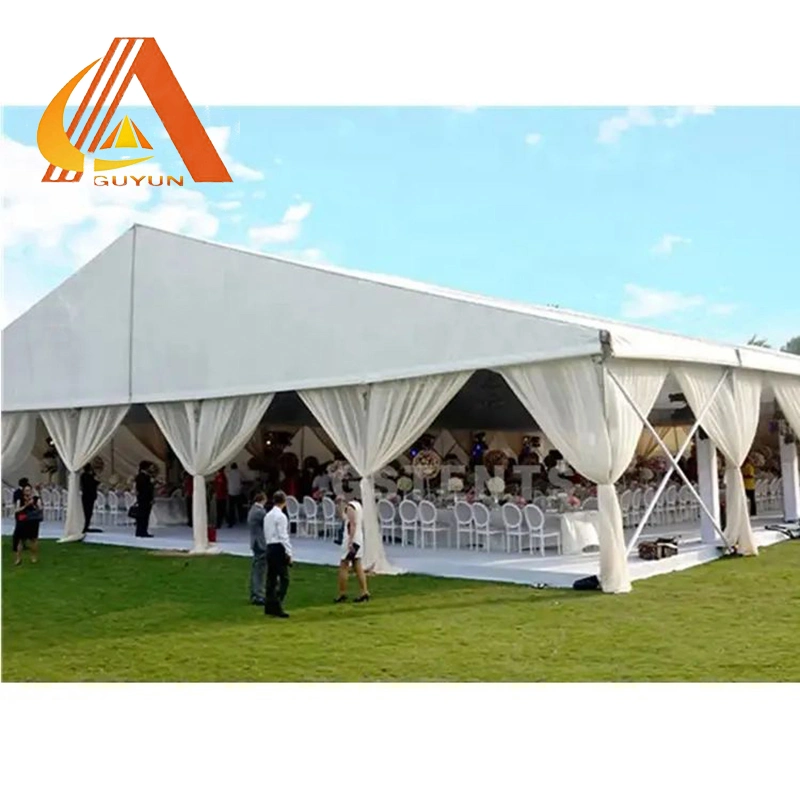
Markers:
418,525
769,495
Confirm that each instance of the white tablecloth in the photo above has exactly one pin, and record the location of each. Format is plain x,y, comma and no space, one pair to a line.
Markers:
168,511
579,531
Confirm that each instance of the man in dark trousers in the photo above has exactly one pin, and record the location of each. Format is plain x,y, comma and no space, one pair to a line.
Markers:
258,544
279,556
144,500
89,484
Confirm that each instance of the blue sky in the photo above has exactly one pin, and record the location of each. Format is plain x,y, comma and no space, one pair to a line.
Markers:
684,219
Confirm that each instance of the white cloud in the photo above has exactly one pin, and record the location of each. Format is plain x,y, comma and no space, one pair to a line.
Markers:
220,138
682,112
722,309
68,225
635,117
229,205
533,139
283,232
642,303
259,195
666,244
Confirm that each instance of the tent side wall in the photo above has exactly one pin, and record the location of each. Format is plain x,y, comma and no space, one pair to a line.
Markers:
71,350
210,321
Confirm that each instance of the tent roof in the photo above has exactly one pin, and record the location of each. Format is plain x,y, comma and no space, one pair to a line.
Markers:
159,316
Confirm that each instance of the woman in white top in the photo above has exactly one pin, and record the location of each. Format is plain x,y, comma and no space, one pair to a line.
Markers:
352,550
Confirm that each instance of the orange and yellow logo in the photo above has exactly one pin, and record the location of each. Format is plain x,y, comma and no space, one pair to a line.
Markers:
126,58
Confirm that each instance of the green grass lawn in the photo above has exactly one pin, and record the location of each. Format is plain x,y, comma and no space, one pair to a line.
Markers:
99,613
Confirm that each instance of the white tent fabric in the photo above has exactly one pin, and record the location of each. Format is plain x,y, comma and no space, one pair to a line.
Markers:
673,436
372,425
79,434
19,434
305,443
591,422
123,454
787,392
731,422
204,435
65,353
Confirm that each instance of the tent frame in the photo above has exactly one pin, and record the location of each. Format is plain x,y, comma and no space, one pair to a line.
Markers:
674,466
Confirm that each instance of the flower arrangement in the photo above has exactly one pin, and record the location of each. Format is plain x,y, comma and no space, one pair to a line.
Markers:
455,485
573,502
521,501
405,484
114,481
427,464
495,458
646,474
496,486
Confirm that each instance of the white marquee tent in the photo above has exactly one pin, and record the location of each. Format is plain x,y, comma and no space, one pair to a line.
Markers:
375,359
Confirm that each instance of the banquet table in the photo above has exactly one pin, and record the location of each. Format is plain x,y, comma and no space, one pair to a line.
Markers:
168,511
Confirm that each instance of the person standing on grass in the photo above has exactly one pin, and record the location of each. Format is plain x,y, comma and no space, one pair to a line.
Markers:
221,496
145,495
279,556
352,551
89,484
258,544
27,516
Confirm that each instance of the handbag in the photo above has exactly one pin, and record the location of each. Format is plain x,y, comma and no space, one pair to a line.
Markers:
133,511
339,536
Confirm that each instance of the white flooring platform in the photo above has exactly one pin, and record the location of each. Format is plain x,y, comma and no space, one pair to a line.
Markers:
551,570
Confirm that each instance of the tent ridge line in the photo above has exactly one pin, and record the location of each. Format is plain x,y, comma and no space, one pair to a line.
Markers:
131,313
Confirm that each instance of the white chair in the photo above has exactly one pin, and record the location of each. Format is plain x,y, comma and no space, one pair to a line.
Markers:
100,508
534,519
671,503
311,514
409,521
590,504
47,504
762,492
426,516
112,499
625,500
293,513
130,502
512,519
62,508
464,525
8,502
386,516
636,506
329,519
482,519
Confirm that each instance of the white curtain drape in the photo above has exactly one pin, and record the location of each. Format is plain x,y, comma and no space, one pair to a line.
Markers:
19,435
731,422
205,435
372,425
587,417
78,435
787,392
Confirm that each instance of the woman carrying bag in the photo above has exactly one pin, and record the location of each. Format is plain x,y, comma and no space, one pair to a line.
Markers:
352,551
27,516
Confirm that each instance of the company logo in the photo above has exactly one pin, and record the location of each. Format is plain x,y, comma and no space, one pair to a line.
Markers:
67,150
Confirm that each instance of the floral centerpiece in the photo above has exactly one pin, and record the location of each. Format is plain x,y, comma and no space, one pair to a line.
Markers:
494,459
496,486
455,485
427,464
405,484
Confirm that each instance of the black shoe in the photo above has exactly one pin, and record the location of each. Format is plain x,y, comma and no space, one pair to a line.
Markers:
342,598
145,536
282,615
363,599
257,601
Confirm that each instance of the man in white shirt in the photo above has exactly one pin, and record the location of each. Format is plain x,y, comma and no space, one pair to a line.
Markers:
279,556
234,496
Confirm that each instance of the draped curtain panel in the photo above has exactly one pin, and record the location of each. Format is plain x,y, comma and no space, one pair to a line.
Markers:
787,392
586,416
731,422
205,435
79,434
371,426
19,435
